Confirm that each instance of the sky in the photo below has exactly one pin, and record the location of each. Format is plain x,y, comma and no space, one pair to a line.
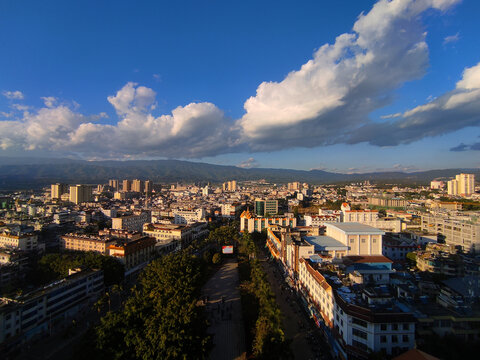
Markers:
344,86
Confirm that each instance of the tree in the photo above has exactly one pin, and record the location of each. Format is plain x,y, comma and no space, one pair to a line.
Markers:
217,258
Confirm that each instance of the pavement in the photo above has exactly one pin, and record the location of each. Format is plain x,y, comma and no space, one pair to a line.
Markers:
224,312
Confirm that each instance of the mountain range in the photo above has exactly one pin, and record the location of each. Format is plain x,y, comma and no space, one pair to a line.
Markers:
33,173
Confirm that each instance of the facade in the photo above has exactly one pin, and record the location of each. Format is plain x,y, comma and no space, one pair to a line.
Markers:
34,313
231,210
77,242
137,186
361,239
134,254
320,220
25,242
131,222
189,216
250,223
455,231
126,185
230,186
354,330
266,207
387,202
80,194
114,185
463,184
57,190
148,187
436,185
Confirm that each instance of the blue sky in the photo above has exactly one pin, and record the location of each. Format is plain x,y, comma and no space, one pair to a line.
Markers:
250,83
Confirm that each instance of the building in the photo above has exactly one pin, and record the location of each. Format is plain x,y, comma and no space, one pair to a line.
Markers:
25,242
35,313
133,254
320,220
294,186
131,222
189,216
80,242
455,231
387,202
114,185
148,187
170,237
250,223
463,184
230,186
231,210
80,194
360,239
356,322
137,186
437,185
57,190
126,185
266,207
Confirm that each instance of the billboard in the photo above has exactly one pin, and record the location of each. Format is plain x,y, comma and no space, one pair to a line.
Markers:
227,249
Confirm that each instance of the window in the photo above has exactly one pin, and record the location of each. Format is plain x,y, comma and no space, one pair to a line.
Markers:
405,338
406,326
374,241
394,338
383,327
383,339
352,241
359,333
359,322
363,241
394,326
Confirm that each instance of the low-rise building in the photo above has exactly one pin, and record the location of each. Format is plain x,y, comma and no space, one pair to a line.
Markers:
25,242
131,222
135,253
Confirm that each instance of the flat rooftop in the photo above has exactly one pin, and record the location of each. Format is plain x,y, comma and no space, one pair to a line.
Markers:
325,243
356,228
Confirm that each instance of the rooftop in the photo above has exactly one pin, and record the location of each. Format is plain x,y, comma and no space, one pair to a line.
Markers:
356,228
325,243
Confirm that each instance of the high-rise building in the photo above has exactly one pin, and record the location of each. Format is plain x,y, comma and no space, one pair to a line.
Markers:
463,184
266,207
57,190
127,185
137,185
293,186
148,187
230,186
113,184
80,194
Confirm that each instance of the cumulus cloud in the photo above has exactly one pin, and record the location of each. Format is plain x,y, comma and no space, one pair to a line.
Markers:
249,163
194,130
454,110
13,95
332,95
327,101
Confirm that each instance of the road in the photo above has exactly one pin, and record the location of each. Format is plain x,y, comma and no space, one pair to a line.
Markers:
307,340
224,312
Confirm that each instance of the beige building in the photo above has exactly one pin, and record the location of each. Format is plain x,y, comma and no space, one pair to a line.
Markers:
80,194
361,239
250,223
131,222
133,253
137,186
113,184
463,184
230,186
86,243
127,185
26,242
148,187
57,190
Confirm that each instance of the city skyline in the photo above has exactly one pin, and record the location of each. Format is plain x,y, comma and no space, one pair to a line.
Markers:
372,86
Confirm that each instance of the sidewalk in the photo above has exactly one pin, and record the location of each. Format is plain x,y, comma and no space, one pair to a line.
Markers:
224,313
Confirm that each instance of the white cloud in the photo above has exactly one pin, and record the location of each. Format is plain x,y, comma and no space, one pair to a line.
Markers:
451,39
333,93
13,95
49,101
248,164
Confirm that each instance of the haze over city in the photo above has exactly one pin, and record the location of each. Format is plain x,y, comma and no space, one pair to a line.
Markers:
351,86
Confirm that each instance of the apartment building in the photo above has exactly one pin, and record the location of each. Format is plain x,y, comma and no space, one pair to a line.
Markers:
166,233
131,222
353,328
80,242
57,190
134,253
267,207
463,185
36,312
80,194
25,242
456,231
249,222
360,239
189,216
320,220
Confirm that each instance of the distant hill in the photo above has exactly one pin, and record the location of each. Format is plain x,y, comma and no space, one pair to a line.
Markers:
25,173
